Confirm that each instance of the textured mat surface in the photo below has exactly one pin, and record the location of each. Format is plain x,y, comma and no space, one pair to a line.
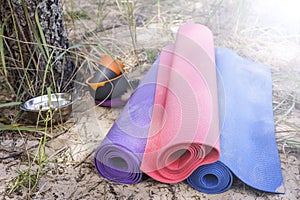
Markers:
119,156
248,144
184,132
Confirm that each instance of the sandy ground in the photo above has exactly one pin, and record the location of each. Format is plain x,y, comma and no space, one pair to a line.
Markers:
248,27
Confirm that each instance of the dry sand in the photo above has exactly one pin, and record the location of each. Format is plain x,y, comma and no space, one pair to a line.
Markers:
245,26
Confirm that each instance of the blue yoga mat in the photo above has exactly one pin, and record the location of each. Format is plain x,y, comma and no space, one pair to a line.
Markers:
248,144
119,156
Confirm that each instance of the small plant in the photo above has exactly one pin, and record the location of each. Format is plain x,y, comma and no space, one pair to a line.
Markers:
151,55
101,13
293,143
127,10
82,14
28,179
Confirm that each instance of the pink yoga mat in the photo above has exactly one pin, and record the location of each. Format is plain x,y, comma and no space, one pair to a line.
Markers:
184,131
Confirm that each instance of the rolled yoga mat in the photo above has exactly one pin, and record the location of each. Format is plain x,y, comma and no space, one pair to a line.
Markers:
184,131
248,144
119,156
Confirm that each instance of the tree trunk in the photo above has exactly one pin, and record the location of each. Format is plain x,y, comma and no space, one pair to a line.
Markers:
34,46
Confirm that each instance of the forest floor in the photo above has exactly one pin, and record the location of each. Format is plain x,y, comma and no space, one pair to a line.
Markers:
251,28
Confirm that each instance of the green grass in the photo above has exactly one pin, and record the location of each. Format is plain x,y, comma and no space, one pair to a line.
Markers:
3,63
293,143
82,14
27,179
101,12
127,11
10,104
151,55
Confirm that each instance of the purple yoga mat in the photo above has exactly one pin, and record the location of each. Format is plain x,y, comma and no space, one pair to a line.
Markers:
116,102
119,156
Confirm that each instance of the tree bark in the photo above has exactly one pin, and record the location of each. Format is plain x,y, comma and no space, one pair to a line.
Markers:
35,44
